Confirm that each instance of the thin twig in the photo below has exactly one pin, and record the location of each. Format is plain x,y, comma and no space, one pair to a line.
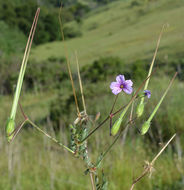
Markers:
50,137
114,103
115,140
80,83
92,181
154,159
110,114
95,129
68,62
16,131
22,111
131,112
150,165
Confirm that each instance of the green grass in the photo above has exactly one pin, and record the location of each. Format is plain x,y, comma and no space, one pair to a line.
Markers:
33,162
119,30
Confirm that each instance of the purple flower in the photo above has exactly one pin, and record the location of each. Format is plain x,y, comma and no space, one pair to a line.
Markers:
147,93
121,84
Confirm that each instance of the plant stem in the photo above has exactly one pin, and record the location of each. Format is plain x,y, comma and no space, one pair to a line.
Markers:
115,140
67,60
80,83
92,181
50,137
95,129
150,166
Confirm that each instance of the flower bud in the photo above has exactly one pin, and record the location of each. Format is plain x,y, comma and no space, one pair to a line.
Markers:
145,127
140,109
116,126
10,127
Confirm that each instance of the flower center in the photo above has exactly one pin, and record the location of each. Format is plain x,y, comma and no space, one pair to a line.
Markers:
121,86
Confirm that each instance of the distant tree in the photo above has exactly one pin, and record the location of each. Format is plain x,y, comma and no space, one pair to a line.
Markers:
7,13
79,10
52,26
103,1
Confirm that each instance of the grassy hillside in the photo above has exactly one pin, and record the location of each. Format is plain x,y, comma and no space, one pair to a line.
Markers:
125,31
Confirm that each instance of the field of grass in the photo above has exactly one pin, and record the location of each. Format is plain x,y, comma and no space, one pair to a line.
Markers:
32,158
46,167
120,30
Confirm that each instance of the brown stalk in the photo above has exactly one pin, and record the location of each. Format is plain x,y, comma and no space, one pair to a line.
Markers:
150,165
80,83
68,62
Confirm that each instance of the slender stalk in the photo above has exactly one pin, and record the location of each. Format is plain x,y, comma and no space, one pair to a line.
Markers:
95,129
131,112
114,103
80,83
50,137
92,181
115,140
111,115
156,157
16,131
68,62
150,166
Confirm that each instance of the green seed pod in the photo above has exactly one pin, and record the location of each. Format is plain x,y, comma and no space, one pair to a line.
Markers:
116,126
145,127
10,127
140,109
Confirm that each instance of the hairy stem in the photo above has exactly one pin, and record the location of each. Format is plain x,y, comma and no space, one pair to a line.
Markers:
50,137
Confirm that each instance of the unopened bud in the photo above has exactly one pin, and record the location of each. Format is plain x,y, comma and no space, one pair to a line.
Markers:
116,126
145,127
140,109
10,127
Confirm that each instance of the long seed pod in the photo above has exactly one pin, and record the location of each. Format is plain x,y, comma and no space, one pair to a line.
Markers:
140,107
10,125
146,125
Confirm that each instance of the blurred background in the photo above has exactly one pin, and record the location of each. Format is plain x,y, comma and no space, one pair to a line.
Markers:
111,37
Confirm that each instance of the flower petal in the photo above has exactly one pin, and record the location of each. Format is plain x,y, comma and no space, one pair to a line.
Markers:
116,90
147,93
114,85
120,78
128,83
128,89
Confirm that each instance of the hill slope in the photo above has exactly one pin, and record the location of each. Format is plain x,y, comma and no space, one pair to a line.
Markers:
129,32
